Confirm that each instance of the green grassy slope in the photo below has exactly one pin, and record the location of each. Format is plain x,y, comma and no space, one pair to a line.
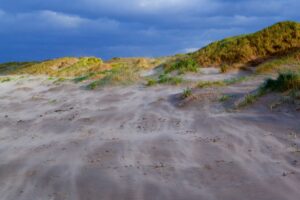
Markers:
289,62
61,67
276,40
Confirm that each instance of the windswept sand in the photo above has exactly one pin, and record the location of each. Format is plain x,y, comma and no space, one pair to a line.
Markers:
61,142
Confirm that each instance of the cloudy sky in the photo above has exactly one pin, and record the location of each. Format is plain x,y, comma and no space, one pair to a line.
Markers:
43,29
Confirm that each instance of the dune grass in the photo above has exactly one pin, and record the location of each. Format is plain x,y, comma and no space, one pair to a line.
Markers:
165,79
225,98
118,75
252,97
182,66
187,93
5,79
83,66
11,67
289,62
253,48
286,81
61,67
222,83
49,67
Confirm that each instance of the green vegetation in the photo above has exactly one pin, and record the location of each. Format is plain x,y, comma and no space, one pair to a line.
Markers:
59,80
285,82
61,67
82,78
289,62
10,67
83,66
165,79
182,66
118,75
224,68
118,71
205,84
5,79
225,97
49,67
252,97
276,40
222,83
151,82
141,63
187,93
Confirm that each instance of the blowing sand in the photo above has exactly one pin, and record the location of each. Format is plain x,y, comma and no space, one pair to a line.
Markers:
62,142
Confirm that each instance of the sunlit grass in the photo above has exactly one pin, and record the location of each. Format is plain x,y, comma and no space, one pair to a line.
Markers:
253,48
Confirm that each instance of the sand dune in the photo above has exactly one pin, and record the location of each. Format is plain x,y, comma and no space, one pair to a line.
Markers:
59,141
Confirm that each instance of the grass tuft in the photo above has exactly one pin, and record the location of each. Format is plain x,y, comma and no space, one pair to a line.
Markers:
285,82
224,98
252,97
167,79
187,93
222,83
151,82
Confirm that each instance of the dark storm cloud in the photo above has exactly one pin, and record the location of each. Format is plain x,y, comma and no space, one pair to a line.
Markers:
34,29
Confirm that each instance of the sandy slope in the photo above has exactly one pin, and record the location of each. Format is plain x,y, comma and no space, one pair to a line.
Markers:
63,142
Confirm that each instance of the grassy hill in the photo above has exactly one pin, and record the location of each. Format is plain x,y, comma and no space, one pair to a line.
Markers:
73,67
61,67
277,40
